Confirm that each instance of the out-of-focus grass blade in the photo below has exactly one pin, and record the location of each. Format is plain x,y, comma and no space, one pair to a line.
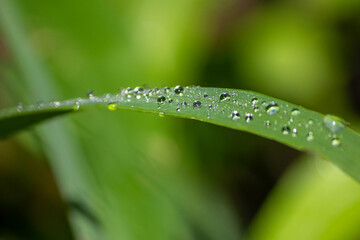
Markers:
287,123
314,200
15,123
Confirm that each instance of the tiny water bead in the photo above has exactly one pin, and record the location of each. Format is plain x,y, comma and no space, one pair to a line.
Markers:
178,109
19,107
267,123
161,99
295,112
224,97
138,90
56,104
76,106
235,115
205,95
310,137
184,104
248,117
254,101
161,114
112,106
272,109
256,109
90,94
197,104
333,123
294,132
335,142
285,130
179,90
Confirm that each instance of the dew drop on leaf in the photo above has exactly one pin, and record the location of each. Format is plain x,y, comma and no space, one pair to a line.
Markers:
235,115
295,112
161,99
197,104
184,104
286,130
248,117
272,109
112,106
333,123
178,109
179,90
76,106
161,114
138,90
310,137
90,94
19,107
335,142
267,123
224,97
294,132
254,101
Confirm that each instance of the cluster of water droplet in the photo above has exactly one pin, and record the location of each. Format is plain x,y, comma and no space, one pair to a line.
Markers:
274,116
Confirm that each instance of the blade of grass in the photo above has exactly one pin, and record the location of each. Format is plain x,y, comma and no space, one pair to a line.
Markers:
256,113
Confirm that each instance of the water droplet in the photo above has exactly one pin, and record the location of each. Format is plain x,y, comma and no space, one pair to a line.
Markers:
224,97
138,96
138,90
335,142
272,109
166,89
56,104
248,117
310,122
254,101
235,115
112,106
90,94
19,107
264,104
161,99
267,123
178,109
170,100
286,130
197,104
256,109
310,137
333,123
184,104
210,106
294,132
205,95
295,112
127,91
161,114
179,90
76,106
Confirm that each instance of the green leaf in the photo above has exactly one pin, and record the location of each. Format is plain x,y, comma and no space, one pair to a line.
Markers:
256,113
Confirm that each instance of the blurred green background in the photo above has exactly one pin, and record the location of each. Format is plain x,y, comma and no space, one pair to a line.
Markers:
127,175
